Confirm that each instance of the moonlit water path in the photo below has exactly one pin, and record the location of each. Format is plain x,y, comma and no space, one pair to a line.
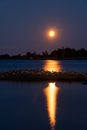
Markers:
51,92
65,65
23,106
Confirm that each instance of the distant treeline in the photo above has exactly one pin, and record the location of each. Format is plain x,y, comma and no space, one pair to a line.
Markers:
60,53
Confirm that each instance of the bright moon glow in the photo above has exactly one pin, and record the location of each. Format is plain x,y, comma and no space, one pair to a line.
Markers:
51,33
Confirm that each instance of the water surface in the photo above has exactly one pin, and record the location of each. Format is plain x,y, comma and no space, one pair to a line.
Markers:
43,106
64,65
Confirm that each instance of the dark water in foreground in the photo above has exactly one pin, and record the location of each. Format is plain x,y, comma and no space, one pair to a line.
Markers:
43,106
65,65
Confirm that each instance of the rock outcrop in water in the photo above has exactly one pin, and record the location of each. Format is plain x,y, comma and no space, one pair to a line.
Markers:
41,75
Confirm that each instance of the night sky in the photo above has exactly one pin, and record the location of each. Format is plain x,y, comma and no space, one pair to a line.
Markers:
23,24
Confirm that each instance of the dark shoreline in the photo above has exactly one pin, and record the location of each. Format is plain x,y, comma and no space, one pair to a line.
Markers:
41,75
60,59
64,53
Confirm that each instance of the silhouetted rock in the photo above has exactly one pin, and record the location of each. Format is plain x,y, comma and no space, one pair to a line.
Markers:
41,75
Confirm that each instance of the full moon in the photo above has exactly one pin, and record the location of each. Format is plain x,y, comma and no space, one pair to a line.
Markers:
51,33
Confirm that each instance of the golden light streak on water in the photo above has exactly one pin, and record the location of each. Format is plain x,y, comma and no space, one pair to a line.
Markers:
52,65
51,92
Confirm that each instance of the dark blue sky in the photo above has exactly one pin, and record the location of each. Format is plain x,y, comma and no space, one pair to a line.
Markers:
23,23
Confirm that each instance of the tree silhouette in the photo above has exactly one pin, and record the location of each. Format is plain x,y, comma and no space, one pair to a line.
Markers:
60,53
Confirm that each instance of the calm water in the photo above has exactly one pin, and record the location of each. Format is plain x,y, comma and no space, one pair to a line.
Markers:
43,106
65,65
